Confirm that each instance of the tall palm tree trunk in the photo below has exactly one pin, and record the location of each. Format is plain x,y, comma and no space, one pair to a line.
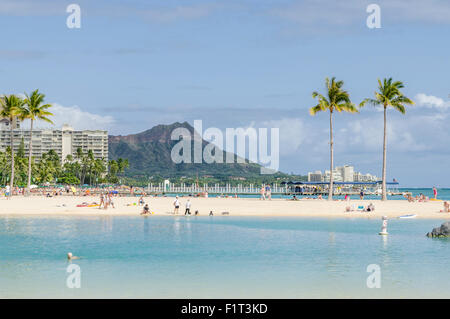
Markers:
29,156
330,191
11,140
383,187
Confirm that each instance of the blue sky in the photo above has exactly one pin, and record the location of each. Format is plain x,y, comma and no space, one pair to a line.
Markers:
134,64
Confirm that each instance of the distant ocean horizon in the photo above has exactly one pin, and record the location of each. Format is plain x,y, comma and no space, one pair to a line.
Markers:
443,194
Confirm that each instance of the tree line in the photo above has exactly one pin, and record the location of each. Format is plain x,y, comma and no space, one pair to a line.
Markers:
18,169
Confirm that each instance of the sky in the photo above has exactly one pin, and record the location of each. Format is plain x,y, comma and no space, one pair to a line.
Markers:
250,63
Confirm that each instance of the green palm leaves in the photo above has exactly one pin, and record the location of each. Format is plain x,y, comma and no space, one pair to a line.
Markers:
34,109
11,109
388,95
335,100
338,100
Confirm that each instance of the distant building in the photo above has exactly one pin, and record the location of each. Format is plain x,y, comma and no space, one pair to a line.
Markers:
347,173
344,173
337,177
315,177
64,142
358,177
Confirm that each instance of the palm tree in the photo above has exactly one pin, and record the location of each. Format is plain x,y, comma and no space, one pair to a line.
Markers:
336,99
10,110
388,95
34,109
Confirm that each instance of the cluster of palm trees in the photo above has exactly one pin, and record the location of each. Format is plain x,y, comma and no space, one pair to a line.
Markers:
336,99
75,170
14,108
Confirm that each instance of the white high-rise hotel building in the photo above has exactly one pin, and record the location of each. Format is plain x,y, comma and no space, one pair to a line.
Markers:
344,173
63,141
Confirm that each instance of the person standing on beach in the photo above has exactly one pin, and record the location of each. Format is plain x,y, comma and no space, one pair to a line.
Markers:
176,204
102,200
7,190
268,192
262,192
188,207
435,192
110,200
141,201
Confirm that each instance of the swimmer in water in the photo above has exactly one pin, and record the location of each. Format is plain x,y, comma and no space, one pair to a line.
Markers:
71,257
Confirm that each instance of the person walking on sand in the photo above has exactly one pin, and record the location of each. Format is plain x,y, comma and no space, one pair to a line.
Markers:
435,192
7,190
176,205
110,200
263,193
102,200
268,192
188,207
106,201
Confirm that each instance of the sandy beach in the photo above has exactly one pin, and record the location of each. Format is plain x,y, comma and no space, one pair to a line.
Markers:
66,205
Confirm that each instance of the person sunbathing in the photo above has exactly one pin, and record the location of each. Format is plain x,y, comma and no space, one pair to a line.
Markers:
446,208
370,208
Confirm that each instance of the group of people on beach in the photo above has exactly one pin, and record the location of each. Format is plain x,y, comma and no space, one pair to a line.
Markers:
177,204
265,192
418,198
368,208
106,199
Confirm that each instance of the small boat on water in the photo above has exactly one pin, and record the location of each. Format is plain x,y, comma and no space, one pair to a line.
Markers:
408,216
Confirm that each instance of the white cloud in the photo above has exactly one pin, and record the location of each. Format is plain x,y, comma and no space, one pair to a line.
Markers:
77,118
293,133
430,101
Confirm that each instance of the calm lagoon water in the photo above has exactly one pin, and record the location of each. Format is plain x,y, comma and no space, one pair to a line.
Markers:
221,257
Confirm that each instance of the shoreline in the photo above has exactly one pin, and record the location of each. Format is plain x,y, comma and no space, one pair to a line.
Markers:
163,206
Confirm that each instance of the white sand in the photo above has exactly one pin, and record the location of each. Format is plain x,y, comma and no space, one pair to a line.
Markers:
37,205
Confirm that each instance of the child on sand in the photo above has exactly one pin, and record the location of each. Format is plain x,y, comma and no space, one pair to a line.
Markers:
145,210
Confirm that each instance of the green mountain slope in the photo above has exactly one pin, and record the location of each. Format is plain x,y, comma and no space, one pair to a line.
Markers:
149,154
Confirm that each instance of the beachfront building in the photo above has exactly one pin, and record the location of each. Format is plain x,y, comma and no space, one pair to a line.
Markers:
315,176
358,177
64,141
347,173
344,173
337,177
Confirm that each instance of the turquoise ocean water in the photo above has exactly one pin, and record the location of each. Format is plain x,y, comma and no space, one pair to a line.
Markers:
221,257
443,193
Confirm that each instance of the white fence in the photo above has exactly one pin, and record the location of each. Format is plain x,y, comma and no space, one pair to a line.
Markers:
213,189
